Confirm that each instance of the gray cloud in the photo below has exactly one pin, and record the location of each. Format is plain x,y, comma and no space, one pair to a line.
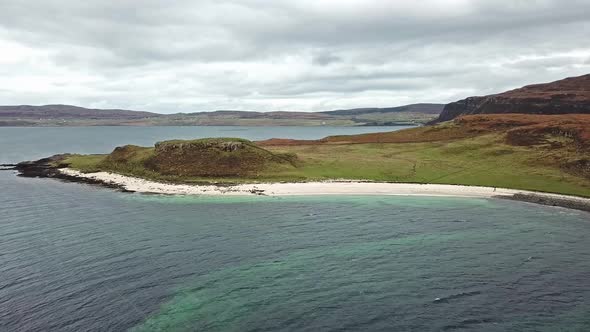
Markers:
325,59
183,55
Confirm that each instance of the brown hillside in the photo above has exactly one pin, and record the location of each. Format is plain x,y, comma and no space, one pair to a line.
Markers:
520,129
567,96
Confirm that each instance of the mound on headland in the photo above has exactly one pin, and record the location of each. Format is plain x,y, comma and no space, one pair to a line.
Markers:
210,157
214,157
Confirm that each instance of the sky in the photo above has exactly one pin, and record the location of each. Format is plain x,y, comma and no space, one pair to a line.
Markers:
172,56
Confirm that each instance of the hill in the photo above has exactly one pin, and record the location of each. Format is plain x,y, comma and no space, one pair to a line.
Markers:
567,96
413,108
519,129
66,115
191,159
53,112
536,152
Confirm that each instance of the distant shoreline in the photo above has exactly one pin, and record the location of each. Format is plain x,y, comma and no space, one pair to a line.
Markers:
2,125
134,184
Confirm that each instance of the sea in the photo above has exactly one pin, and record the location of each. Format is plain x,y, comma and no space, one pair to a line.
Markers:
77,257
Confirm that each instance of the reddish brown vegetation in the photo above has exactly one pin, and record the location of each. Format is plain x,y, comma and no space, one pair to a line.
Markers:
288,142
520,129
524,129
572,88
415,135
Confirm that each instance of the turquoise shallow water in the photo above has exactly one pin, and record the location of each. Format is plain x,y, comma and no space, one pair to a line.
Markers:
82,258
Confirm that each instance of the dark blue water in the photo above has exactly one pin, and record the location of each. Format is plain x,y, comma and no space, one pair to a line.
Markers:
82,258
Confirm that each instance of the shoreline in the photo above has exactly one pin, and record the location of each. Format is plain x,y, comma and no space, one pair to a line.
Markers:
52,168
334,187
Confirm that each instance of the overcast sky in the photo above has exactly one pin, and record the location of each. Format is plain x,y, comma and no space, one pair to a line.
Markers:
307,55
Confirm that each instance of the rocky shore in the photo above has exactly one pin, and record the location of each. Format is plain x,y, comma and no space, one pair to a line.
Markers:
53,168
573,203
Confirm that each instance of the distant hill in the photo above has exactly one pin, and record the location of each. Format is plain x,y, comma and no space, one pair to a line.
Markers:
567,96
67,115
69,112
259,115
415,108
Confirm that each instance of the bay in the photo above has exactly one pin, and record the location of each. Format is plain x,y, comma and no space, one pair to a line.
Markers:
83,258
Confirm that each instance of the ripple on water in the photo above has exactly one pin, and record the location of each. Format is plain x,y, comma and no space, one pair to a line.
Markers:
85,258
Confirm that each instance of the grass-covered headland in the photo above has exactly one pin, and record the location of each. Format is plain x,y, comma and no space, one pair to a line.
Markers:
189,160
542,153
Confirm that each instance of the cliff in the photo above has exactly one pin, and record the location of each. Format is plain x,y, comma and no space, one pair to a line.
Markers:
567,96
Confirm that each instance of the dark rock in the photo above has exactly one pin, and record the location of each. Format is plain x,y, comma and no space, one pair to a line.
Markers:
49,168
7,167
568,203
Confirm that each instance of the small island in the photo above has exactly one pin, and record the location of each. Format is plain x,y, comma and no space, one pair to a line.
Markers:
515,156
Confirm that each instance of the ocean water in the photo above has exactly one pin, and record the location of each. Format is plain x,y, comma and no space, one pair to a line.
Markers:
83,258
18,144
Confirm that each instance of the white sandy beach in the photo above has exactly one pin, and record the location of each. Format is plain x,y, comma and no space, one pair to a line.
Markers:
311,188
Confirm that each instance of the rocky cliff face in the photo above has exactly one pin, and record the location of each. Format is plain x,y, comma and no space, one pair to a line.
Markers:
571,95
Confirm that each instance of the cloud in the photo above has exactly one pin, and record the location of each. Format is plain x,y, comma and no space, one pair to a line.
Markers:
325,59
186,55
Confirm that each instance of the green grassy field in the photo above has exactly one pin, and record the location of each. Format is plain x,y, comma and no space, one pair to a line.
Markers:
482,160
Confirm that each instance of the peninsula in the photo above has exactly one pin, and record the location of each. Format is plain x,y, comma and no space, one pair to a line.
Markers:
512,154
545,153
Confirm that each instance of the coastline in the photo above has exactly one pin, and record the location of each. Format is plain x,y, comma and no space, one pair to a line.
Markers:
133,184
53,168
